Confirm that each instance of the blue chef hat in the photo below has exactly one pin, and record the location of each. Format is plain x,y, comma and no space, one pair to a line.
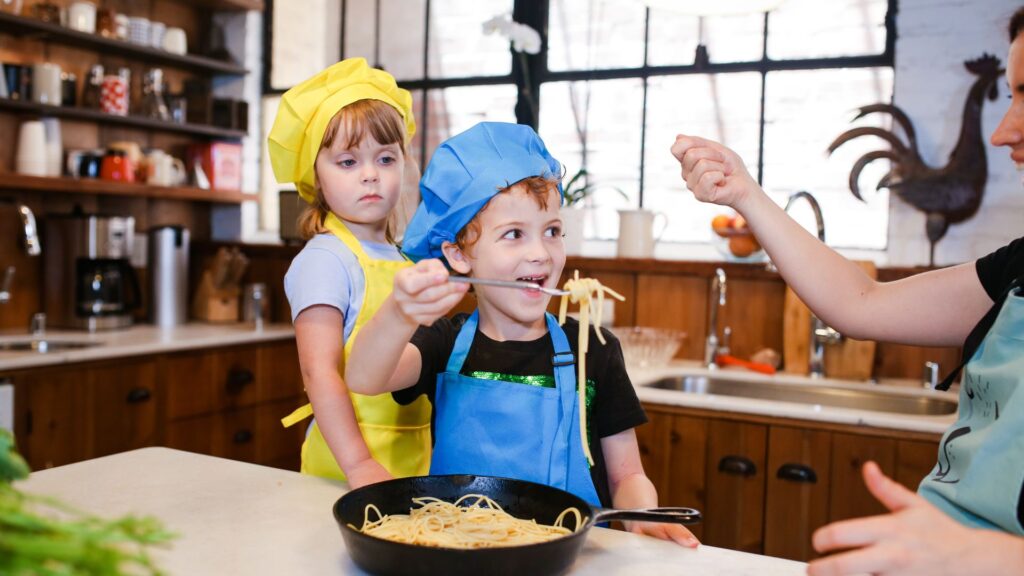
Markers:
465,172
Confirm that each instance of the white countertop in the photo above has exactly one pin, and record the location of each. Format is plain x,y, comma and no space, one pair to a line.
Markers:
237,518
136,341
642,378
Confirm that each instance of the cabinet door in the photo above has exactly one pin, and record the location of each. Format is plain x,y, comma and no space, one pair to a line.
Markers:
49,418
798,490
849,498
280,376
734,515
915,460
121,404
652,439
276,445
687,466
236,376
187,382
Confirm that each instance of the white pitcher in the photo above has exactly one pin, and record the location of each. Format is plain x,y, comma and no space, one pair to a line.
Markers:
636,233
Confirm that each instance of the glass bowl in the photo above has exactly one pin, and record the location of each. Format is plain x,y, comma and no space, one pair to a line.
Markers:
647,347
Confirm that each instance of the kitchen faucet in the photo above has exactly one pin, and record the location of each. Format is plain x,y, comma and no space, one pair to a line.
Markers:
32,248
711,343
821,334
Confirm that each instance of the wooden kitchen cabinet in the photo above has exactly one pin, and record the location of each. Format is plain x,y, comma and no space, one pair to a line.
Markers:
797,493
736,457
764,485
224,402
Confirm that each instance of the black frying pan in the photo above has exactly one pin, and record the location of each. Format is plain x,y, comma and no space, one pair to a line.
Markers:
521,499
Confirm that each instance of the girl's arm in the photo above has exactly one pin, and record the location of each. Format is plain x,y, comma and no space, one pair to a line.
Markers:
318,335
382,360
937,308
631,488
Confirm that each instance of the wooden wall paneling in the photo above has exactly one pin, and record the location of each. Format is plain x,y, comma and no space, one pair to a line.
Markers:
914,461
735,502
795,509
25,298
687,467
849,496
753,310
680,303
899,361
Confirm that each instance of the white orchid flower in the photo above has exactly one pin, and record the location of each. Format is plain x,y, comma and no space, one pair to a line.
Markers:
523,37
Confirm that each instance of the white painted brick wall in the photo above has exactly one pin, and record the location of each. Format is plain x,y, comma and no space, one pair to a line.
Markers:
935,37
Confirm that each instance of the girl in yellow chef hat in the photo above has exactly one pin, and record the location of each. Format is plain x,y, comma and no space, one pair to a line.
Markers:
341,138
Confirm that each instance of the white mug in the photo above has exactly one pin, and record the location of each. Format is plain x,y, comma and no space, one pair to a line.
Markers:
82,17
175,41
164,169
46,83
31,154
636,233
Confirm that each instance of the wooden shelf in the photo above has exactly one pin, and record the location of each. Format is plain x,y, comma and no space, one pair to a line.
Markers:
99,117
30,27
228,5
21,182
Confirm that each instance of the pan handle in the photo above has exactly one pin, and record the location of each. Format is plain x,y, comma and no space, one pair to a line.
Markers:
665,515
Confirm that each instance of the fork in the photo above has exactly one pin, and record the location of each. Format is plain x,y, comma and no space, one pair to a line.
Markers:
508,284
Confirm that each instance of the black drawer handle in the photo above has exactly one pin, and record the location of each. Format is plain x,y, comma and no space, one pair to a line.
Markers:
797,473
238,379
737,466
138,395
242,437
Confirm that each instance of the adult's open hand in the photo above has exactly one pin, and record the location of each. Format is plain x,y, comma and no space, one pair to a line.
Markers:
916,538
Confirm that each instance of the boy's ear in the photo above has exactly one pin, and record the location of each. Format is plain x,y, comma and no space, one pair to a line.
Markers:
456,259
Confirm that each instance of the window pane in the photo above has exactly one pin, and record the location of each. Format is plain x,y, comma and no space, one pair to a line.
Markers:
611,123
306,40
804,112
458,45
595,34
453,110
721,107
674,37
816,29
403,25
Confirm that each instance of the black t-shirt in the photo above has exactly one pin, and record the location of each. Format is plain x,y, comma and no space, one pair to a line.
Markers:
614,408
996,271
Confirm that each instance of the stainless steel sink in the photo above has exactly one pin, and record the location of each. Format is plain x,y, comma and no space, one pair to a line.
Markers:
43,346
876,400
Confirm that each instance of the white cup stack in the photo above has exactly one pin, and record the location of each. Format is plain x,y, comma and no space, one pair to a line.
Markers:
31,155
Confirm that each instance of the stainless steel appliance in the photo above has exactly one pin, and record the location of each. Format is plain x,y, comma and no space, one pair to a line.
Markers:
88,278
168,274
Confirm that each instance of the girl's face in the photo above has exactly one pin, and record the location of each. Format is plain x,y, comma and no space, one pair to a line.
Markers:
518,241
361,184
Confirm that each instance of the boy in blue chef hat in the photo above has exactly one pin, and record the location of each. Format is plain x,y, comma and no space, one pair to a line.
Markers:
502,379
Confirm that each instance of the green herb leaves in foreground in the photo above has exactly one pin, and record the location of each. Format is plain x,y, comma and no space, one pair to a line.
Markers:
41,536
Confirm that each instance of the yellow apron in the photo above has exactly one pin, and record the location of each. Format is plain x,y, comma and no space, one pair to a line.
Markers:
398,436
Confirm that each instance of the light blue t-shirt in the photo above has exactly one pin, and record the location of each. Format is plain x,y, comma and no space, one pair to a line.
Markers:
327,272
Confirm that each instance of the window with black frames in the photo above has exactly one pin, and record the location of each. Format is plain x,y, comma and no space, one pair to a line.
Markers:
615,80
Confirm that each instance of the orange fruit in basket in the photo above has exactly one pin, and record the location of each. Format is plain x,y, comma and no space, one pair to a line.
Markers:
739,223
743,245
721,224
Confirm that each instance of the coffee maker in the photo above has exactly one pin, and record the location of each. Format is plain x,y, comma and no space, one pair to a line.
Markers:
88,278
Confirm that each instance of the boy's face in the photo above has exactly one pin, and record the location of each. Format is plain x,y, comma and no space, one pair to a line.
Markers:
518,241
360,184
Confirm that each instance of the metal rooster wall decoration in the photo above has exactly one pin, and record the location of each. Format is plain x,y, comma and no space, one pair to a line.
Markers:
947,195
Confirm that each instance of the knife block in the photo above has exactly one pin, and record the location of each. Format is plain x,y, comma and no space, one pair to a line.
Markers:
212,304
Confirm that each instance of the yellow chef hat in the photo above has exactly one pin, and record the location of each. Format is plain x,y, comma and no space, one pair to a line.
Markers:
307,109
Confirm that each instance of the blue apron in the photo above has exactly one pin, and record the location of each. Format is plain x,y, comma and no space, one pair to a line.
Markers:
498,428
979,478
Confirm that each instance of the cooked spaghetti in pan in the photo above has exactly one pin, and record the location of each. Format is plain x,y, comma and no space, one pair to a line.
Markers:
472,521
